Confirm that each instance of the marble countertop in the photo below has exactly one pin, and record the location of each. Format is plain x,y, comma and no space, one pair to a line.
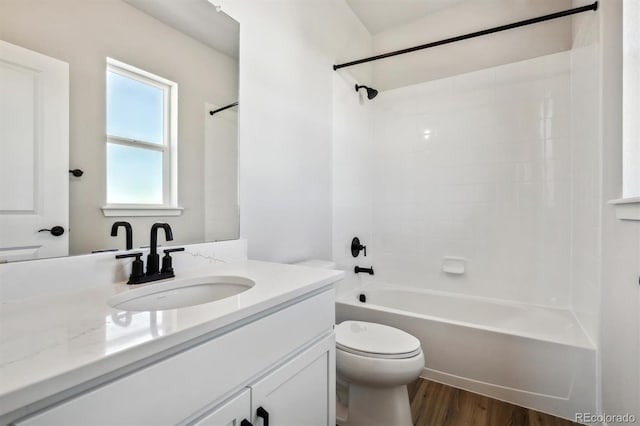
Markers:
54,342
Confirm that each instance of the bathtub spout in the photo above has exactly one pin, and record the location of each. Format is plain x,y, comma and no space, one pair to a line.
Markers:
358,269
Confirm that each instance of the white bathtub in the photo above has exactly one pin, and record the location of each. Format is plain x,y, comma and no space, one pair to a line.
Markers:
533,356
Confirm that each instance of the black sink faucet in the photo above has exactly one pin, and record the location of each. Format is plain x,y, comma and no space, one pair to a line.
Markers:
128,230
154,273
153,260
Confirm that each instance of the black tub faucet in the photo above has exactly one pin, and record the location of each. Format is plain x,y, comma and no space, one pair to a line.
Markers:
356,247
128,230
153,260
358,270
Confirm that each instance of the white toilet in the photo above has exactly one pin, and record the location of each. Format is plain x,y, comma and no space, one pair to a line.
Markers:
374,364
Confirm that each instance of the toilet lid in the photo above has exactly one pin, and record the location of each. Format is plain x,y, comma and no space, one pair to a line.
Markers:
378,340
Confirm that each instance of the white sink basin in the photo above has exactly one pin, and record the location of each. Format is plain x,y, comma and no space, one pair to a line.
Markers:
180,293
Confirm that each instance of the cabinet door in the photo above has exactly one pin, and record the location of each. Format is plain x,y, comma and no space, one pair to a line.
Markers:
231,413
301,392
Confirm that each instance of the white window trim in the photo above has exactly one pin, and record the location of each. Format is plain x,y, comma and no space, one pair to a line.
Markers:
140,210
170,206
628,207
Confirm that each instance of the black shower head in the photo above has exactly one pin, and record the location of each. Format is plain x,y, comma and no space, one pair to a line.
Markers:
371,93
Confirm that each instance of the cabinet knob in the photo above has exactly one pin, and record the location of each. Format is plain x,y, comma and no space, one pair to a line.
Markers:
245,422
264,414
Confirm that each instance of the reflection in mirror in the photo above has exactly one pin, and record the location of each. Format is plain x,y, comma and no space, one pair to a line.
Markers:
123,90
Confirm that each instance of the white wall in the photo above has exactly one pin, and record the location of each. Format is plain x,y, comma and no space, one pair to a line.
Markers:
470,55
490,184
287,48
620,312
84,33
353,173
586,182
220,157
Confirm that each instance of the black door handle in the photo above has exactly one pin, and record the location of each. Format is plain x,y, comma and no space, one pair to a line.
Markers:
264,414
245,422
56,231
76,172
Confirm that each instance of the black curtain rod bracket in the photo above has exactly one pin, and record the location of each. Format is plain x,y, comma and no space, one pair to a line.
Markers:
223,108
556,15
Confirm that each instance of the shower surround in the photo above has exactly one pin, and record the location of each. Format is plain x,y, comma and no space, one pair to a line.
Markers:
478,166
499,167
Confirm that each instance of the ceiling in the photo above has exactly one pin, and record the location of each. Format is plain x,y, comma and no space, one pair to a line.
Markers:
198,19
380,15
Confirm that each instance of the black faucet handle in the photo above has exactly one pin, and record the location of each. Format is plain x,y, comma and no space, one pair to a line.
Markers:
167,262
137,266
356,247
173,250
137,255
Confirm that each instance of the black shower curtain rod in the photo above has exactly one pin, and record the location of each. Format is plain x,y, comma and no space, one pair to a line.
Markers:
223,108
530,21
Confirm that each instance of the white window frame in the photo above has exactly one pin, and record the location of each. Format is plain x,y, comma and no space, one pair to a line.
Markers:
628,207
169,147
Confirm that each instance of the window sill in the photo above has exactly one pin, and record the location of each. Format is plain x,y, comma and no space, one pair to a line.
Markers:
627,208
141,211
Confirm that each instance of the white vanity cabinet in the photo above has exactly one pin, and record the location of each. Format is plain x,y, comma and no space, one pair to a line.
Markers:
302,392
282,360
230,413
298,393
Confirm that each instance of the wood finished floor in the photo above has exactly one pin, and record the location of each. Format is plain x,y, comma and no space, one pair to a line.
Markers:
434,404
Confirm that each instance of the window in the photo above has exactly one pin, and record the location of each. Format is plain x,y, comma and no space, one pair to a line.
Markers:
141,125
628,207
631,100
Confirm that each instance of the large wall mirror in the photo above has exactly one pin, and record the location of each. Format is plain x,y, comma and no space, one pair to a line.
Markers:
116,111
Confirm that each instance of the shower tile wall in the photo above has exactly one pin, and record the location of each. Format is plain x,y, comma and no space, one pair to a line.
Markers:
477,166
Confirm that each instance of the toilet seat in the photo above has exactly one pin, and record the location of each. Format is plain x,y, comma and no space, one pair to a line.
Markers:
373,340
379,356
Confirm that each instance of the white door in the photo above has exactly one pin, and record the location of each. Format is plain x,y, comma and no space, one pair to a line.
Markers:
34,154
231,413
300,393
